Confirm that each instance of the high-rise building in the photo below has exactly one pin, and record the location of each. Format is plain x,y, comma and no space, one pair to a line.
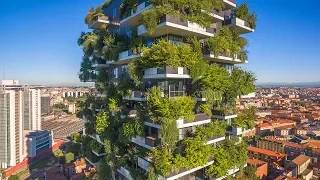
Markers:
19,110
166,70
45,103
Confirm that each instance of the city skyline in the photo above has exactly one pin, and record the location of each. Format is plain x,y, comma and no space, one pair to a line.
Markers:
44,40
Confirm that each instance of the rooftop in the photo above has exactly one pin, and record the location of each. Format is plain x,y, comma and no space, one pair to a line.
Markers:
300,159
255,162
266,152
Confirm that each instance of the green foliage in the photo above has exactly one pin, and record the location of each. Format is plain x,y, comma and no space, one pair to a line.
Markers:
94,13
76,138
215,78
159,107
216,128
127,6
166,111
206,108
242,83
132,128
58,153
227,156
102,122
59,106
164,53
152,173
69,157
196,152
193,10
103,171
14,177
229,43
162,160
221,165
243,13
249,173
86,69
246,118
137,173
90,16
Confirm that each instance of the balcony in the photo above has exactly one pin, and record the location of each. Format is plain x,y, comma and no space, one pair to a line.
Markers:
99,153
98,22
167,72
126,56
141,141
222,58
215,139
134,17
220,114
152,141
136,96
184,172
229,4
125,173
100,64
199,119
142,163
217,16
238,25
175,26
238,131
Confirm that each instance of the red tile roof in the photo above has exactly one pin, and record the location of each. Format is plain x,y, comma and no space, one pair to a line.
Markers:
265,152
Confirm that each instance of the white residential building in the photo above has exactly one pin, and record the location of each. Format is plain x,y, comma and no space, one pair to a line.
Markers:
20,109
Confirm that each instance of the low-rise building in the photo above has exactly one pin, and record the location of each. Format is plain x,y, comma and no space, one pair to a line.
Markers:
270,145
262,167
37,141
283,131
266,155
300,167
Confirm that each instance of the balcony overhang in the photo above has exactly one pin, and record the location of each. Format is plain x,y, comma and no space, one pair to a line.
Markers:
223,59
174,29
224,117
97,24
200,119
125,57
215,140
239,25
229,4
134,18
216,16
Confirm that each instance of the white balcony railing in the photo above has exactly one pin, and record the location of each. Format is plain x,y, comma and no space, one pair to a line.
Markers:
196,26
141,141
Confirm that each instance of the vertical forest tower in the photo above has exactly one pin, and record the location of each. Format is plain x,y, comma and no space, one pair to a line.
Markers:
166,88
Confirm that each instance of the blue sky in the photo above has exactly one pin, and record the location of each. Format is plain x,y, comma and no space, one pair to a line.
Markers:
38,40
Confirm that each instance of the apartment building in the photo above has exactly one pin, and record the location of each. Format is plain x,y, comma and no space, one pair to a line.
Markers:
45,104
20,109
300,167
271,145
174,81
37,141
